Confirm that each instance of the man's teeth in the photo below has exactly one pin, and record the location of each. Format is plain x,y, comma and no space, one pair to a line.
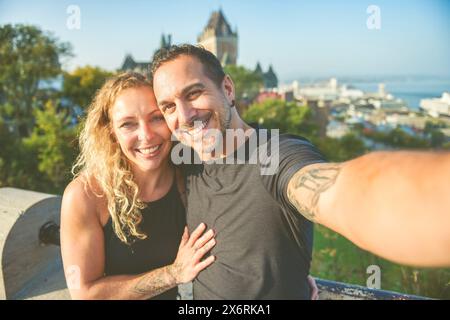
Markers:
150,150
197,130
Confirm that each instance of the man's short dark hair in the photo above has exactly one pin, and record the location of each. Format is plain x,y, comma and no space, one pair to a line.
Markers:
211,65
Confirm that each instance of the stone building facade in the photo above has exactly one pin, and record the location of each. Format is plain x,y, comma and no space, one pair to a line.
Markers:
220,39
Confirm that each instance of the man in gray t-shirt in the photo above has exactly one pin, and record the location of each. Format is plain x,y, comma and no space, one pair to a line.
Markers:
263,245
393,204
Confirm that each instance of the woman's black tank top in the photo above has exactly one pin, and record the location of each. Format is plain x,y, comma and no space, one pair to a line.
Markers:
163,223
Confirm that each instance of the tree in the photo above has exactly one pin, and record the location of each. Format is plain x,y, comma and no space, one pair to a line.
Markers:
28,56
398,138
437,137
7,153
80,85
343,149
53,142
246,83
18,166
288,117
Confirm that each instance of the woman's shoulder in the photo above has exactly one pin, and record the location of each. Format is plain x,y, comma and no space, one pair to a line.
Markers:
83,188
82,198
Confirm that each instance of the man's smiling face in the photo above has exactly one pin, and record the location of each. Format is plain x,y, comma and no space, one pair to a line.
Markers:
191,102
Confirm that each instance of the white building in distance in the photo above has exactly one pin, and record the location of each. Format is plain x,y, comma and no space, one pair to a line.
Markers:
437,106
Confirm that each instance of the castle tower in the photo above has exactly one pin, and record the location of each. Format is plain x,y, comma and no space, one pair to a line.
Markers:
258,70
166,41
270,78
218,38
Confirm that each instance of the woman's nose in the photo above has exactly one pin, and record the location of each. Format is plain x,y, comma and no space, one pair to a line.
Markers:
146,132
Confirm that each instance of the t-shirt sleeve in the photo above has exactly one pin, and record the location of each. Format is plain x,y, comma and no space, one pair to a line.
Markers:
293,153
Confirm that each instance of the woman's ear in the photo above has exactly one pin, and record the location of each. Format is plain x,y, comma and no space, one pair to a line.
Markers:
228,89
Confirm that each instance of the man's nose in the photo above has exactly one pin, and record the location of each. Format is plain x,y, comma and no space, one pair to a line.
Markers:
186,114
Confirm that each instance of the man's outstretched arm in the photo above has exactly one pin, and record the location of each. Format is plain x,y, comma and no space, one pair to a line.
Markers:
394,204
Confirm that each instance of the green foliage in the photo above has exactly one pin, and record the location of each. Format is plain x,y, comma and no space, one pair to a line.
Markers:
35,152
18,166
53,141
247,83
80,85
28,56
336,258
338,150
399,139
6,152
289,117
446,146
437,138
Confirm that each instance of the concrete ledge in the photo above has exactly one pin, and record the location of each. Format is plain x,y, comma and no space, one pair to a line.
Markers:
26,263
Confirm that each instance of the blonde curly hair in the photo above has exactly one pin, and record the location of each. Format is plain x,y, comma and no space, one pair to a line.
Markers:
102,161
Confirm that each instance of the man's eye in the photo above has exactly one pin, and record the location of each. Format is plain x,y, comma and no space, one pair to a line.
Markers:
169,108
193,94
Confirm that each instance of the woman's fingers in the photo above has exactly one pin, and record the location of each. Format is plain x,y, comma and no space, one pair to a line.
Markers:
185,236
204,264
203,250
204,239
192,250
196,234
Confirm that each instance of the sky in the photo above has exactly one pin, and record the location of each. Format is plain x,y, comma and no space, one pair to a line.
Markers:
321,38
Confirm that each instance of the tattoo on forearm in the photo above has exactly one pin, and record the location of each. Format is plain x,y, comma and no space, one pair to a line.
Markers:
155,283
305,187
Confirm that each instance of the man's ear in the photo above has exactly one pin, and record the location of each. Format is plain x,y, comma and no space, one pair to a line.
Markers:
228,88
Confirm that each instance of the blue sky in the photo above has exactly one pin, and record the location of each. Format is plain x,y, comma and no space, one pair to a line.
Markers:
300,38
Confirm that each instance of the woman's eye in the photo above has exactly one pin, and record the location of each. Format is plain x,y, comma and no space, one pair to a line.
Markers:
157,118
127,125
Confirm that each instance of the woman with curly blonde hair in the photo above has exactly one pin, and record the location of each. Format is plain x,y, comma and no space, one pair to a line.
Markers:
123,233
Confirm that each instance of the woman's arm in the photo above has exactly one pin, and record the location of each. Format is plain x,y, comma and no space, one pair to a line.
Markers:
82,248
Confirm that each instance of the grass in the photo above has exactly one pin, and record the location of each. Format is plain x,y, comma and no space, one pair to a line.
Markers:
336,258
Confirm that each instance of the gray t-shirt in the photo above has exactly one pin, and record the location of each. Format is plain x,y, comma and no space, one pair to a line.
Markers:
264,245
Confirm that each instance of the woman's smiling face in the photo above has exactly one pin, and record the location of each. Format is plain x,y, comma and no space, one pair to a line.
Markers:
140,129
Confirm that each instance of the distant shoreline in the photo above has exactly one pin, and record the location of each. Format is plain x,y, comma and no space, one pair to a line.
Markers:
411,89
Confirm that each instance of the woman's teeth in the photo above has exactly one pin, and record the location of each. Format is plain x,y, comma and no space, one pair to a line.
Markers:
149,150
